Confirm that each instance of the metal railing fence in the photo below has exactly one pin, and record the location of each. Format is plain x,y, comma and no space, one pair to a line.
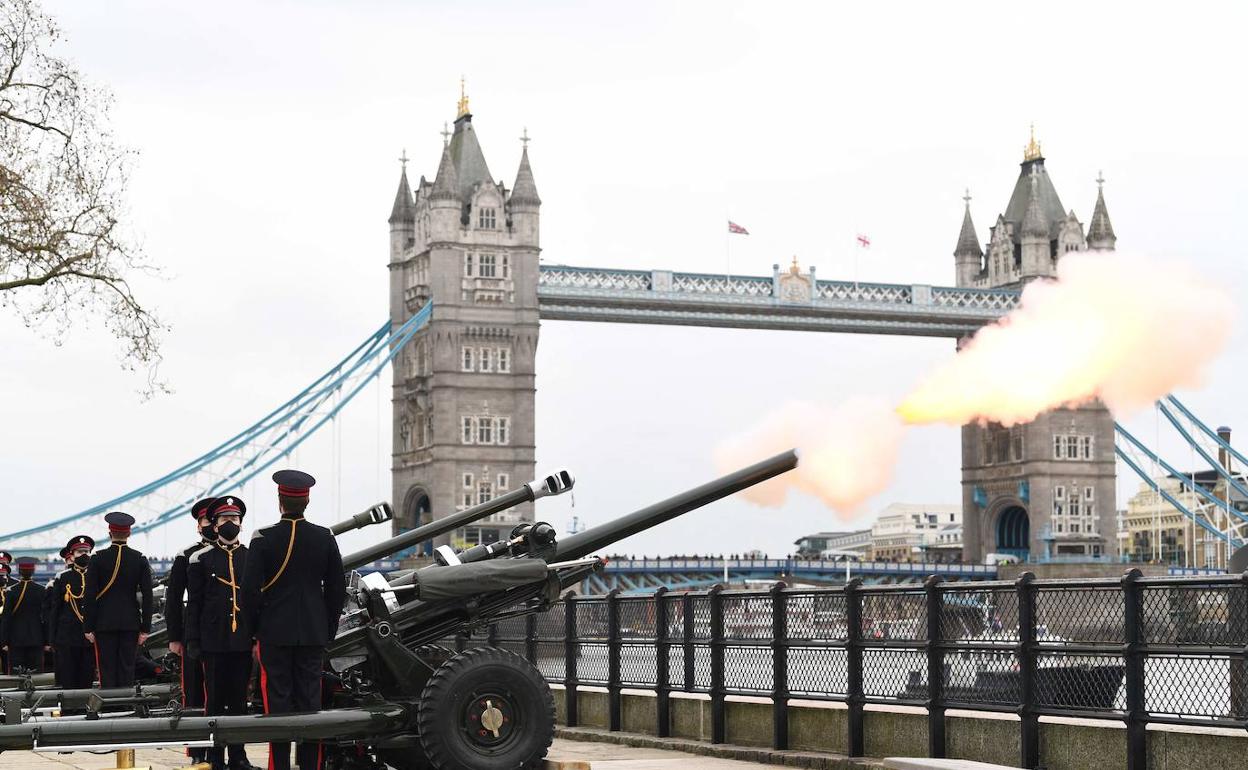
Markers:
1161,650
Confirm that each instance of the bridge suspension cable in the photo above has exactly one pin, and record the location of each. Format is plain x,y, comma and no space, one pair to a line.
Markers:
1235,520
242,457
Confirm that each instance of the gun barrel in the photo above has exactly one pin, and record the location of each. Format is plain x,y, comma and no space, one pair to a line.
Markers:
595,538
70,734
555,484
376,515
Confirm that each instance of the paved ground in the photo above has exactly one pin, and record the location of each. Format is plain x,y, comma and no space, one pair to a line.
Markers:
601,756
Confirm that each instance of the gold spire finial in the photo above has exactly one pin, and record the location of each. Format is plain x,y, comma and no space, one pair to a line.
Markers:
1032,150
463,100
794,269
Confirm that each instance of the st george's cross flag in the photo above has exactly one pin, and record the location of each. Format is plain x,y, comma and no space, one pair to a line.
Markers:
864,241
733,227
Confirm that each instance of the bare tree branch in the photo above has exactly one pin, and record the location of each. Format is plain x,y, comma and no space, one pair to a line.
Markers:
64,254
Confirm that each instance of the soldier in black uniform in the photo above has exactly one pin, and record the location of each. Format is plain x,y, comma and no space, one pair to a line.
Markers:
216,630
113,618
5,559
75,659
293,592
22,632
193,693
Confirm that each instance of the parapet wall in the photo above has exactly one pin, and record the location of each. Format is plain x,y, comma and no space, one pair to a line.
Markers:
1065,744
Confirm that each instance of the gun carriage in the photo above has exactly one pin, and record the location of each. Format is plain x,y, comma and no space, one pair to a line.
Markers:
393,696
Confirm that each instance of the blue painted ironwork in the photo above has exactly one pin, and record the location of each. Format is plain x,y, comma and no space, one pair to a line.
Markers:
240,458
1197,488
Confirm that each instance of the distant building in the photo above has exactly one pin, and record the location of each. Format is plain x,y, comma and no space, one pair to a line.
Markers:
1155,531
948,544
821,543
905,531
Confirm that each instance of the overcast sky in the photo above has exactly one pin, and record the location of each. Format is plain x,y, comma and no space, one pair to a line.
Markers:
268,136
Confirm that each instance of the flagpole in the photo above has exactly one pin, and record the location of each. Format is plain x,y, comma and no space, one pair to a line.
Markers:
727,252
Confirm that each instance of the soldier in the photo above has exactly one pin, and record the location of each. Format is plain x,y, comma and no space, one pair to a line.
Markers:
216,630
74,661
114,621
5,559
193,693
293,592
22,632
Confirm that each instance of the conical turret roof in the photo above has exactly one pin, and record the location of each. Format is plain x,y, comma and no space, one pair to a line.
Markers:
1035,185
1100,230
525,190
403,210
446,184
1035,221
968,242
469,160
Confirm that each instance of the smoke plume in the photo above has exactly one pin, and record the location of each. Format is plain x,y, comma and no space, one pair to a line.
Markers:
836,445
1119,328
1124,329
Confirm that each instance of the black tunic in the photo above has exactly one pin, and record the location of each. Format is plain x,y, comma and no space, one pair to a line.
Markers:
64,609
297,604
175,611
22,624
116,576
214,617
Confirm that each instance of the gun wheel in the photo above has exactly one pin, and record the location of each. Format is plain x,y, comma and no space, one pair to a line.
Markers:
486,709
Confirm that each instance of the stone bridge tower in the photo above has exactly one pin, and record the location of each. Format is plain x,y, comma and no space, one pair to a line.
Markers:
463,388
1045,488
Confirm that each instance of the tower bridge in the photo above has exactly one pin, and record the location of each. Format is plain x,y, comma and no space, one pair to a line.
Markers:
468,293
463,392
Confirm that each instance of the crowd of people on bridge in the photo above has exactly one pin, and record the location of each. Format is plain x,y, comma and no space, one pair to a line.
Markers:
232,612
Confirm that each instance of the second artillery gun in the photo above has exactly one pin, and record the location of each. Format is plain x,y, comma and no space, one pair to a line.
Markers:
397,699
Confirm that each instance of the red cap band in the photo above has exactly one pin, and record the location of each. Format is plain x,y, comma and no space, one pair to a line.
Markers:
116,528
292,491
226,509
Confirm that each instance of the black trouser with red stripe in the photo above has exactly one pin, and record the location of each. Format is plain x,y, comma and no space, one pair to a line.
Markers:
226,675
29,657
290,678
193,694
114,654
75,667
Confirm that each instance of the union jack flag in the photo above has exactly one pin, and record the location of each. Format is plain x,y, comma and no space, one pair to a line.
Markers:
733,227
864,241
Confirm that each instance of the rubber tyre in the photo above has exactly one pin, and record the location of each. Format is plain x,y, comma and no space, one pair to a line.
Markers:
449,706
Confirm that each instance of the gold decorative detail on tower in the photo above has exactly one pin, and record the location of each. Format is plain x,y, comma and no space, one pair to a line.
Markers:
463,100
1032,150
793,268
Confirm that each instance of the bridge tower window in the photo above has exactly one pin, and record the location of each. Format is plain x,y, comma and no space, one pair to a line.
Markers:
468,359
487,265
504,360
468,428
486,219
468,265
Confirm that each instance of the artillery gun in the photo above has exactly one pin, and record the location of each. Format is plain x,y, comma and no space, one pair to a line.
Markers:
396,698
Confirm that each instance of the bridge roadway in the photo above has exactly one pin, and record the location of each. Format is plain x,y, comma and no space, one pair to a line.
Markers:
787,299
643,575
